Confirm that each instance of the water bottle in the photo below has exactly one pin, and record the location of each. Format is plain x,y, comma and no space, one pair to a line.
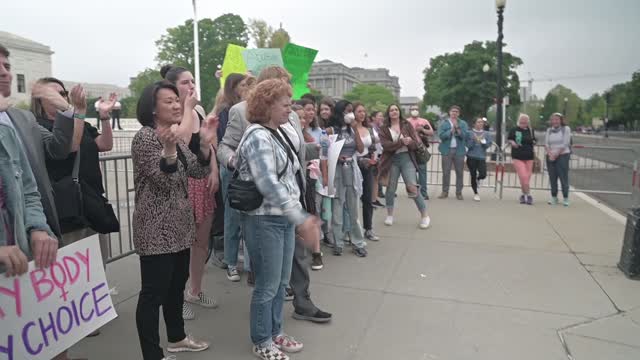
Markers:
324,145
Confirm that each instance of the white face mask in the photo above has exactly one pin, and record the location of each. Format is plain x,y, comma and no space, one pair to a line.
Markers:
348,118
415,113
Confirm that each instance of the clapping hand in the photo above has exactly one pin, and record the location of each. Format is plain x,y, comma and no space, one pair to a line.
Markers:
105,107
78,98
168,138
407,141
209,130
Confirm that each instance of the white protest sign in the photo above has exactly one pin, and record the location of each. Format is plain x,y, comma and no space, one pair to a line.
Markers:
46,311
334,154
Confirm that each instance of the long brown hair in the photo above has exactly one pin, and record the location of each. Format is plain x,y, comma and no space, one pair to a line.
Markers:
36,104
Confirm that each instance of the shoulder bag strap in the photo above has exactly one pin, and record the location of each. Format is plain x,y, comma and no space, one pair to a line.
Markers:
75,173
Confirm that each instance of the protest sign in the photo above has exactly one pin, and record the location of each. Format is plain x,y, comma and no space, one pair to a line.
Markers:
46,311
233,63
298,61
258,59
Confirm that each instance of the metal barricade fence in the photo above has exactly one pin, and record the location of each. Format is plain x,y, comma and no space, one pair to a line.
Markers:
117,174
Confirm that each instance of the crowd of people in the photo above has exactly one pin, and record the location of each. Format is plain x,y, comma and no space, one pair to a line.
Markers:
255,169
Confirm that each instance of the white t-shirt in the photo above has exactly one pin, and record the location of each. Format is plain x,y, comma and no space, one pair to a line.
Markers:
454,142
396,136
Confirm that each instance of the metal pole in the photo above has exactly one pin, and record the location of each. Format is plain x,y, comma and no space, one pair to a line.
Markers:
607,98
499,96
196,47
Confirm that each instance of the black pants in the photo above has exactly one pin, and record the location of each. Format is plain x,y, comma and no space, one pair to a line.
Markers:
478,170
367,197
163,281
217,229
115,116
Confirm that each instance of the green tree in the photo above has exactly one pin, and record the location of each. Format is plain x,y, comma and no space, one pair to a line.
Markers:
140,81
260,32
626,102
374,97
279,39
550,106
176,47
594,107
458,78
569,110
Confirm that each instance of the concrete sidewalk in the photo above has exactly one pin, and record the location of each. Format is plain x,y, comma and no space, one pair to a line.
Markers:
491,280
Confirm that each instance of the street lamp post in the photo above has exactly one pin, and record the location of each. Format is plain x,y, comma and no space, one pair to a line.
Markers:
607,100
485,70
564,110
196,48
500,5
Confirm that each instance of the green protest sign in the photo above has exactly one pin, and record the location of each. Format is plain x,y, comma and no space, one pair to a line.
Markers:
298,61
233,63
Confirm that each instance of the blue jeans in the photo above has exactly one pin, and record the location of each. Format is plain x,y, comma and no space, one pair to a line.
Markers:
231,226
422,179
401,164
271,242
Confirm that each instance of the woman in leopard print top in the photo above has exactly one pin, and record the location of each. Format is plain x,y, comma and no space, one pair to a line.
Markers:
163,223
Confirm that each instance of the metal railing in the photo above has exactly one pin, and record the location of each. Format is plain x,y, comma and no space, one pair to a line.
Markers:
117,174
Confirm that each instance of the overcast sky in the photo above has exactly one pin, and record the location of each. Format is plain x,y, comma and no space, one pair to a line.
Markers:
110,41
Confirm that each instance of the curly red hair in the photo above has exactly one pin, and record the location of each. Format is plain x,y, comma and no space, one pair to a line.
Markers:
263,96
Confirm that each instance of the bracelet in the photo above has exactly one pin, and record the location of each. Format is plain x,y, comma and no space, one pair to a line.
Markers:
79,116
169,156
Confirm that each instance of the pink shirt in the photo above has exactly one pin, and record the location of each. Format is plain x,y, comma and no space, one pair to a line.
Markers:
418,122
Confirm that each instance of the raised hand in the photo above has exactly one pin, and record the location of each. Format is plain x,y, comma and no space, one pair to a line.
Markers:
209,130
168,138
78,98
105,106
48,93
191,101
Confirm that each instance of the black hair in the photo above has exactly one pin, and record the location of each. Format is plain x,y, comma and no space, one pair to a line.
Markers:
171,72
146,108
310,97
4,51
337,118
304,102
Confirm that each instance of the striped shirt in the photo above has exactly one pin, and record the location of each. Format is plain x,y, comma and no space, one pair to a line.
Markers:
261,157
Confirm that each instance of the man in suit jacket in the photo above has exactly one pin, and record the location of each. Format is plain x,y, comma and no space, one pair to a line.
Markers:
305,309
38,143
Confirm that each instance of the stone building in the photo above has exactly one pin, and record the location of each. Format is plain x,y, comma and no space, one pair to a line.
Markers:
336,79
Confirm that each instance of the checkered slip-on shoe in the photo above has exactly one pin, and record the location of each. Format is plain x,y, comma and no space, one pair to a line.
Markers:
269,352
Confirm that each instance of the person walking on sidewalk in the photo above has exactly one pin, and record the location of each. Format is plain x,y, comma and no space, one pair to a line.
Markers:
400,142
523,140
478,142
453,133
558,147
424,130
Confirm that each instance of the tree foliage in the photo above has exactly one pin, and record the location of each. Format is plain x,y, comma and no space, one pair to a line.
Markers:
279,39
458,78
176,47
260,32
374,97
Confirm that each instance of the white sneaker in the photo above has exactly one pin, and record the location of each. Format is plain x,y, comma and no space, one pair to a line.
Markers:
425,222
189,344
201,299
187,312
388,221
476,197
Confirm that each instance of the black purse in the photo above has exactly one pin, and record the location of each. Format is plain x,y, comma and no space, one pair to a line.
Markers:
79,205
244,195
68,199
